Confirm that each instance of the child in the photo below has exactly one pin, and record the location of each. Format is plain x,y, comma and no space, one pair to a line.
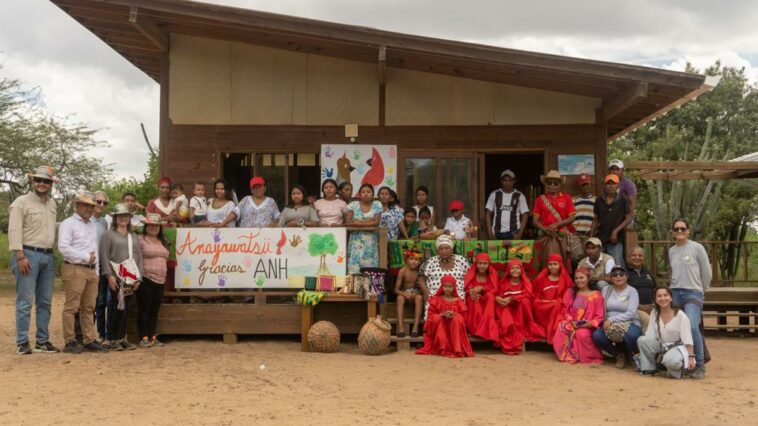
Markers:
422,201
426,228
549,287
514,310
481,286
406,289
180,202
409,226
445,327
457,224
198,203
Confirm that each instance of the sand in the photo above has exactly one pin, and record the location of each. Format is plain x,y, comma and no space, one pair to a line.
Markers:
269,381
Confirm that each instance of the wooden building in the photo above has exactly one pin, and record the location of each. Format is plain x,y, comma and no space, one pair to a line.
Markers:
246,92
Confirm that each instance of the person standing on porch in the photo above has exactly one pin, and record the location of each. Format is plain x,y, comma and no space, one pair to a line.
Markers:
627,188
612,215
256,210
77,242
31,235
164,205
585,208
507,211
691,275
554,213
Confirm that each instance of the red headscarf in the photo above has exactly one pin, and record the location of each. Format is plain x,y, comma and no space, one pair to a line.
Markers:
564,281
448,279
525,282
164,179
470,278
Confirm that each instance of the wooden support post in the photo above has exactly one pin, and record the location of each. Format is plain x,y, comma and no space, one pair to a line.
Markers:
601,147
305,326
626,100
371,308
230,338
403,345
148,28
382,64
715,264
260,298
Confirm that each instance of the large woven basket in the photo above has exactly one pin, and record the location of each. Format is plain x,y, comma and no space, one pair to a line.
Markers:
374,337
324,336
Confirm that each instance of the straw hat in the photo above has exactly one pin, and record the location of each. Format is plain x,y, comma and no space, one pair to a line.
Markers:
43,172
85,197
153,219
552,174
120,209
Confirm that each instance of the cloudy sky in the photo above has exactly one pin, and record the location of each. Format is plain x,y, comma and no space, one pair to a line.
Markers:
83,79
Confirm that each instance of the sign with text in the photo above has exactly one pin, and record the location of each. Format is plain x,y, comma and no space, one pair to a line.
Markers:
214,258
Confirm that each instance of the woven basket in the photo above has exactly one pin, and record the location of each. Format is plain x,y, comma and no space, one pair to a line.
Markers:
374,337
324,337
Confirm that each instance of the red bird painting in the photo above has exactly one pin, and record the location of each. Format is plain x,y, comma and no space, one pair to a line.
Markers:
375,174
282,241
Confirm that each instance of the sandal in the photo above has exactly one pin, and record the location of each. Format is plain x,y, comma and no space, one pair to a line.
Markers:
414,334
400,334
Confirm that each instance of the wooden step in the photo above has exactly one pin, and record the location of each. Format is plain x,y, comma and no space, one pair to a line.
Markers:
404,343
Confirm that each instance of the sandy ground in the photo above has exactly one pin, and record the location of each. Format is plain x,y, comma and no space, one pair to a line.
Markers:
265,381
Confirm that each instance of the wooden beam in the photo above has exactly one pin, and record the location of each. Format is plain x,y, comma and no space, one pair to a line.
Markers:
382,64
692,165
148,28
625,100
601,147
165,118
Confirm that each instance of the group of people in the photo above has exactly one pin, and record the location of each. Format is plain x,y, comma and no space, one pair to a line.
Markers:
629,318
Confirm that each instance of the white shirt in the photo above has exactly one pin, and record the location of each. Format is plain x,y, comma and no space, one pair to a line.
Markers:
77,239
677,330
505,208
456,226
200,204
181,199
218,215
136,221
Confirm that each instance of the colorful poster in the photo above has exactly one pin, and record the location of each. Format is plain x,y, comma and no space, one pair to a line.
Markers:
214,258
576,164
359,164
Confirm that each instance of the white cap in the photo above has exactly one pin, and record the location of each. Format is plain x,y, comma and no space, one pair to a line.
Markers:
508,172
616,163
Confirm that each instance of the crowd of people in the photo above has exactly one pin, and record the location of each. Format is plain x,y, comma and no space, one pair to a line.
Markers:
112,256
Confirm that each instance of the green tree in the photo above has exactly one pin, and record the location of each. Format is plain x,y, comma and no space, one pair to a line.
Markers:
321,245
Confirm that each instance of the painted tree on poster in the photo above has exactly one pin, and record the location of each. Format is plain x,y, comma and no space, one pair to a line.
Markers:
322,245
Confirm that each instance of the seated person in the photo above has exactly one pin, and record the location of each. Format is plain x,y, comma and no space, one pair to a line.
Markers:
598,262
669,336
584,312
548,289
643,281
445,327
513,310
621,327
480,284
407,291
457,223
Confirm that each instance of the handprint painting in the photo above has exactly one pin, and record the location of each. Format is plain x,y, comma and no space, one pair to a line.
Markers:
359,164
253,258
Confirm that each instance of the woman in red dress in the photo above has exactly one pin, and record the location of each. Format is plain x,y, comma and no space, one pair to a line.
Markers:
584,312
480,286
514,310
549,287
445,327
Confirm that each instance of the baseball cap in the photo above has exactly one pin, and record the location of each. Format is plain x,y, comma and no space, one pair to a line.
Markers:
455,205
594,241
257,180
616,163
611,177
584,178
507,172
618,268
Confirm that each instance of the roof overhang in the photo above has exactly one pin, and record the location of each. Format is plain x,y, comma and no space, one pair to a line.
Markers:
139,31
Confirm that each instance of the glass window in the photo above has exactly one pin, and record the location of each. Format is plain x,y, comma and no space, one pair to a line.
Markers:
456,175
420,172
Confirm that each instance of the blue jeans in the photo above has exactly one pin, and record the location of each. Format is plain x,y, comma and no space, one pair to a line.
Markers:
694,312
630,341
34,288
505,235
104,309
616,251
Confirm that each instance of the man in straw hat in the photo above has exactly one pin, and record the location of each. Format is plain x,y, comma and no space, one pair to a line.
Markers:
77,242
553,214
31,234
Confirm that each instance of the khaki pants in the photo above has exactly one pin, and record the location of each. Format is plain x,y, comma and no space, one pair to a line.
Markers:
80,288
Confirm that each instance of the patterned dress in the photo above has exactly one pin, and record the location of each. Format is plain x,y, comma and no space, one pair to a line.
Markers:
391,220
250,215
433,272
363,246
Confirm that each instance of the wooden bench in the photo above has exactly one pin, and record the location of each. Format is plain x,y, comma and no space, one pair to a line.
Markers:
735,302
309,312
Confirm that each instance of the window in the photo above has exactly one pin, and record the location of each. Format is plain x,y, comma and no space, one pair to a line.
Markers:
282,171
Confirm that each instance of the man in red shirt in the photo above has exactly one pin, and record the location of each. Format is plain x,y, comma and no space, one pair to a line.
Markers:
553,214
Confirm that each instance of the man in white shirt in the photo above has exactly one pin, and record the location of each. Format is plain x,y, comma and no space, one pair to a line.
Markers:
77,242
507,211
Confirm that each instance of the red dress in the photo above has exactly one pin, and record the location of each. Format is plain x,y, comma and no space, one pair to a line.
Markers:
480,318
515,320
548,298
446,336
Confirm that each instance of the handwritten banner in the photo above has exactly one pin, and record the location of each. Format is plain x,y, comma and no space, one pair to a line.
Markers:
215,258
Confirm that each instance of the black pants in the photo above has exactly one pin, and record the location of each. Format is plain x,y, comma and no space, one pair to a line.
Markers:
149,299
120,318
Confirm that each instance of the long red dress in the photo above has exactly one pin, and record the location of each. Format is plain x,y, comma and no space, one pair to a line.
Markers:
548,298
446,336
480,318
573,344
515,320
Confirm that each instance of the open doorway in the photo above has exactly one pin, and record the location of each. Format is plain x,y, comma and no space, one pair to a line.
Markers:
528,167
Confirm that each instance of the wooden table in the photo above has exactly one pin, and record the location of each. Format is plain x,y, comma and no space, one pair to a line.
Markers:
308,311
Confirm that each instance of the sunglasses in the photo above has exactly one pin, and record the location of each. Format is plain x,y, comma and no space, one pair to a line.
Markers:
552,182
618,274
680,229
101,202
45,181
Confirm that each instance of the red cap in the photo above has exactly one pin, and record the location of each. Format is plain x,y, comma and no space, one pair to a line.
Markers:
455,205
584,178
257,180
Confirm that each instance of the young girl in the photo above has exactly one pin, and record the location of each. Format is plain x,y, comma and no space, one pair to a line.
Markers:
362,246
345,191
422,200
549,287
407,291
584,312
514,310
481,286
409,227
445,327
426,229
